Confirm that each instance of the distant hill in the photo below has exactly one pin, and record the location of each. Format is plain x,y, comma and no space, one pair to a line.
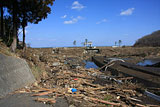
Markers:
152,40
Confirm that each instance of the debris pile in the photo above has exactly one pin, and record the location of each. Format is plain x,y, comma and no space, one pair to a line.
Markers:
87,87
67,78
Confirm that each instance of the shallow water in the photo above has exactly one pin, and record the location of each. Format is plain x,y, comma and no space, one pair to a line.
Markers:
90,64
147,62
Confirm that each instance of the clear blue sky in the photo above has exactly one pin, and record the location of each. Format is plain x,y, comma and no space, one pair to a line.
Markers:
101,21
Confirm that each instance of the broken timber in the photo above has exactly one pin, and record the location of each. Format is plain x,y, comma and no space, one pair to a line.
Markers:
149,76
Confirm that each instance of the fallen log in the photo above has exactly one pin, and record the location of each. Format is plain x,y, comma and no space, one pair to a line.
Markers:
87,83
140,105
41,89
134,99
105,102
127,78
43,93
153,88
148,105
99,88
152,95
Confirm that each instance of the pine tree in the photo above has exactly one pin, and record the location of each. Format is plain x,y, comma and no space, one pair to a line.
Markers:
24,11
119,42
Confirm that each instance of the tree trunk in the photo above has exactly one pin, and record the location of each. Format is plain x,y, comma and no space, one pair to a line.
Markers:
24,37
1,21
14,43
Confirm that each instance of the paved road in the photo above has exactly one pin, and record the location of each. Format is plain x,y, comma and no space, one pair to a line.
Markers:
25,100
20,100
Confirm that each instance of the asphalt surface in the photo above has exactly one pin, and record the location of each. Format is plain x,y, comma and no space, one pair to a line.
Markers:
26,100
20,100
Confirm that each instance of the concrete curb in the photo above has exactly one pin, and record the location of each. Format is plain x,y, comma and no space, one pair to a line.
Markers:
14,74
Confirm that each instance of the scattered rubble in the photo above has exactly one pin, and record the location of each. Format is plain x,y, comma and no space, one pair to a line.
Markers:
67,78
86,90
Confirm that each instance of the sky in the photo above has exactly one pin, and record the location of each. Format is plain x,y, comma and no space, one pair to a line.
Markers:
101,21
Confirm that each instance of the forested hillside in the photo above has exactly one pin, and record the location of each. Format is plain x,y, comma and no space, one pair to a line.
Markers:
152,40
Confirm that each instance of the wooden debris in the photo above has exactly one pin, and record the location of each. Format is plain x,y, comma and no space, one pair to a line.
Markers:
140,105
41,89
98,88
43,93
90,84
84,81
127,78
103,101
134,99
148,105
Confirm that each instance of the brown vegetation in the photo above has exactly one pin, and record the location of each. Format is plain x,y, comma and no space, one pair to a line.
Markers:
152,40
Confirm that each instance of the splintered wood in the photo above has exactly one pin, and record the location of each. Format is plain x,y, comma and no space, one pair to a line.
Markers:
43,93
103,101
87,90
